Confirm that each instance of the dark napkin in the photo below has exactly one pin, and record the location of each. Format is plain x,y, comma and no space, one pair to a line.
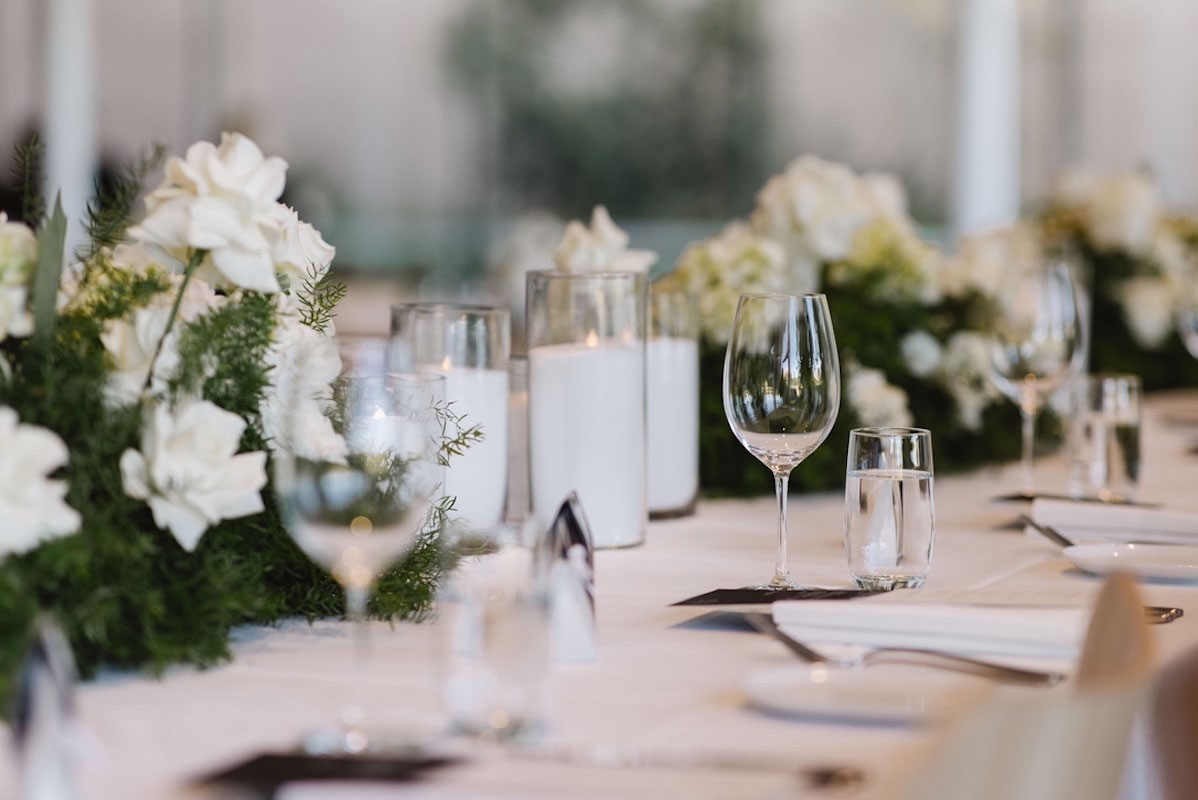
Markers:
736,597
265,773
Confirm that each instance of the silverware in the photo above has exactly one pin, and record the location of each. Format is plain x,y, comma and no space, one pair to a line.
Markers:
1047,531
631,758
765,624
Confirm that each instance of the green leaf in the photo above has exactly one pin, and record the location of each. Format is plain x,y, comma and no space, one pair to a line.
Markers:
49,272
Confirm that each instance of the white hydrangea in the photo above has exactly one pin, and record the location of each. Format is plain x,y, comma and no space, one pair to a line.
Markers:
716,271
1148,307
601,247
1121,211
875,401
965,373
921,353
18,254
32,508
983,259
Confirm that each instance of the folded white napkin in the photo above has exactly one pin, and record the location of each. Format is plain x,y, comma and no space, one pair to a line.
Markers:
1040,633
1097,521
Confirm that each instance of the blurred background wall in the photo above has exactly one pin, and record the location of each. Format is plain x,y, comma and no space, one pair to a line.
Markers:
420,131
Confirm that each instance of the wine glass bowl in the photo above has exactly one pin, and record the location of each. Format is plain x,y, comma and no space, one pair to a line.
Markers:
781,388
1036,343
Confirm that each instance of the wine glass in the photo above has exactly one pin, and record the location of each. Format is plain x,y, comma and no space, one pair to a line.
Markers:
781,389
1035,343
356,508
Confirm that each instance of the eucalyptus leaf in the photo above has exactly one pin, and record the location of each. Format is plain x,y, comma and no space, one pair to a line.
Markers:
50,242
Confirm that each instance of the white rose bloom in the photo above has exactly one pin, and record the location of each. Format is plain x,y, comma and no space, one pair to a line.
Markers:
15,319
1148,307
921,353
886,194
189,472
300,253
601,247
303,363
965,373
982,260
220,199
32,509
18,252
132,340
876,402
815,205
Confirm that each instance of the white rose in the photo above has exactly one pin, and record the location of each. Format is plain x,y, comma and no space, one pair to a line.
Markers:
300,253
18,252
885,194
15,319
1148,306
220,199
32,509
982,260
921,353
189,472
875,401
303,363
132,340
601,247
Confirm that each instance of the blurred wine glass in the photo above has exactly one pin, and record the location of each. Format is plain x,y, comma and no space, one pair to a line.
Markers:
357,509
781,389
1035,342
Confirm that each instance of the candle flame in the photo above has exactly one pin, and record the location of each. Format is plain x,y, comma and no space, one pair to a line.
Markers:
446,363
592,339
378,413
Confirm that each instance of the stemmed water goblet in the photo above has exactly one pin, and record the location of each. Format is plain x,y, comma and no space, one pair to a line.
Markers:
365,498
1036,340
781,389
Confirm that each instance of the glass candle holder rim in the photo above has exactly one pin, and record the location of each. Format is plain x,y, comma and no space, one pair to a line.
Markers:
430,307
605,274
878,432
1101,377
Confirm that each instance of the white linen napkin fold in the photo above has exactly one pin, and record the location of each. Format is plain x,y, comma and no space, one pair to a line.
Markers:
1038,633
1096,521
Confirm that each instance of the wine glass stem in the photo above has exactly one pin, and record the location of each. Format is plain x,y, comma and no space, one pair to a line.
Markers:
356,598
782,565
1028,468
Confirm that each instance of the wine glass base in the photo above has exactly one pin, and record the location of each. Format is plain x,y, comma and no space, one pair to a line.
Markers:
772,586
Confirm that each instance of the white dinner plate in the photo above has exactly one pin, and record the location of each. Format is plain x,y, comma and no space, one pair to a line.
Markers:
877,694
1164,562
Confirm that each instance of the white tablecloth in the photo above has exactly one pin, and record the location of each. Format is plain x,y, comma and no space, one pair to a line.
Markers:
664,683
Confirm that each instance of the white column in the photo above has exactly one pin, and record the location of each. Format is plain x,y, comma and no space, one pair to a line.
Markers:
986,179
70,124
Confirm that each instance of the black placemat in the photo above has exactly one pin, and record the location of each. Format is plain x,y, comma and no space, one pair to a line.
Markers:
737,597
264,773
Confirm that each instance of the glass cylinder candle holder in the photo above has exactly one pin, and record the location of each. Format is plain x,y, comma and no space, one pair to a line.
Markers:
586,381
672,365
517,460
471,346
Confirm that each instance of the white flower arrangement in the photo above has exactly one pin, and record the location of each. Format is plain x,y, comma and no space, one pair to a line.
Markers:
32,507
874,401
600,247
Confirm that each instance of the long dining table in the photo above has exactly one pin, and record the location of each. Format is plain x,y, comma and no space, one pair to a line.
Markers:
667,687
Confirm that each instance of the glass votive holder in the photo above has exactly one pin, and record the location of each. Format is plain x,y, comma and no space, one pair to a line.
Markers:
586,399
517,460
889,507
672,368
494,615
1106,438
471,346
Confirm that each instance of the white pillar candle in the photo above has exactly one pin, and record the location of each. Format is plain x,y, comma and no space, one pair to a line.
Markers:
673,389
478,477
587,434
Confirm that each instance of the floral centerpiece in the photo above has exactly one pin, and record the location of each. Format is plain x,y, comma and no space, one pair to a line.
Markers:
908,324
1140,260
139,410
